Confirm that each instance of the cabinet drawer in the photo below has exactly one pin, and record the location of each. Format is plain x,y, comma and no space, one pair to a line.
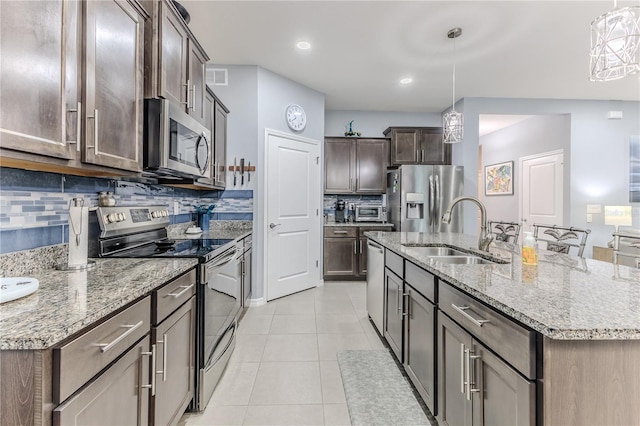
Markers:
421,280
393,262
511,341
169,297
340,231
82,358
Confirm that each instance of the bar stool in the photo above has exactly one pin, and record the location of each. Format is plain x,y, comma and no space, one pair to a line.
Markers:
505,231
626,249
561,239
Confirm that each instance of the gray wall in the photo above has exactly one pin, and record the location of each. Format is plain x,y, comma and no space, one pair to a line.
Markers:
372,123
257,99
538,134
599,154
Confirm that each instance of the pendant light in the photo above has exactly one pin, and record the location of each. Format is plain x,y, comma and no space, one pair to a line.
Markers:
615,44
452,121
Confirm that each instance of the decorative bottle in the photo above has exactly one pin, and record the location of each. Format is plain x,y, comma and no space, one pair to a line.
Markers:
529,250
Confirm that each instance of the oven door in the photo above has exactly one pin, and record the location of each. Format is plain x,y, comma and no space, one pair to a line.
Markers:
221,296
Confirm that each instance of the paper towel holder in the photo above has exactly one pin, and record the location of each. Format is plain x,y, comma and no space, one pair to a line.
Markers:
77,230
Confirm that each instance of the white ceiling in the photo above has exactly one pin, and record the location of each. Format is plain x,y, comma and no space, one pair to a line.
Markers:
361,49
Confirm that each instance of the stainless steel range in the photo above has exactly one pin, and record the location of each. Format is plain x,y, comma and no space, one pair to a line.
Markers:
140,232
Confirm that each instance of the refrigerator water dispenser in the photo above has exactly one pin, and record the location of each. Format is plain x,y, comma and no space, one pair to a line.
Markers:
415,205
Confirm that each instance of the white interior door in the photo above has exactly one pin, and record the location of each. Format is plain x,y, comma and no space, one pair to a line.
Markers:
541,189
293,214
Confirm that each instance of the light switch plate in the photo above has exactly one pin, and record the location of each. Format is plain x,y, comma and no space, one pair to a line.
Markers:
589,218
594,208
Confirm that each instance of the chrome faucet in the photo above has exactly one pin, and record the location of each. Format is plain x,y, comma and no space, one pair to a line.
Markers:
485,237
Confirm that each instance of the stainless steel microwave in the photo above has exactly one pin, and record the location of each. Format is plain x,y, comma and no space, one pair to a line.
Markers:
176,144
370,213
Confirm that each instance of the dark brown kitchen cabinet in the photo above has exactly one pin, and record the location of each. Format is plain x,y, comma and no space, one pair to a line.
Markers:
39,91
417,145
215,119
340,252
174,60
113,84
355,165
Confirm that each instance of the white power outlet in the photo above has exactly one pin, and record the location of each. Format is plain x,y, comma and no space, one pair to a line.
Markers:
589,218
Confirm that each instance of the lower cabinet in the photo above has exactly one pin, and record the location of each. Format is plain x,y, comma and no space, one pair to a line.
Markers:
393,312
477,387
419,345
174,365
119,396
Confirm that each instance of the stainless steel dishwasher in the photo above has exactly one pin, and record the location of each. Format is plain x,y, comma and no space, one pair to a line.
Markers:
375,284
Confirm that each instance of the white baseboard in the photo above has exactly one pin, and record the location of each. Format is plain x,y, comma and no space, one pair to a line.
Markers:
257,302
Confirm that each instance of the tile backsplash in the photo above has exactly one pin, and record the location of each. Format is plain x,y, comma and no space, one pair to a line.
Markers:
329,205
34,205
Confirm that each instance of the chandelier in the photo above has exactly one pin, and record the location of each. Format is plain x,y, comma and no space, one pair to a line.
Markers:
615,42
452,121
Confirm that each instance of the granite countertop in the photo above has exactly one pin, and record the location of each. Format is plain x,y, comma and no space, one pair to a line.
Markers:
228,230
358,224
67,302
563,297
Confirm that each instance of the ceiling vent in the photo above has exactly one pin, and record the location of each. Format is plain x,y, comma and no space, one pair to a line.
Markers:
220,77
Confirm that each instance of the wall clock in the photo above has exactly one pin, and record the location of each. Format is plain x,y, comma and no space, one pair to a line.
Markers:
296,117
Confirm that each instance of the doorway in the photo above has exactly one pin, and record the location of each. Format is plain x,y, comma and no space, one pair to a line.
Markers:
292,220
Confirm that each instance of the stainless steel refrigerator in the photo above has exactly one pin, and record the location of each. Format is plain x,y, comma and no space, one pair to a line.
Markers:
417,197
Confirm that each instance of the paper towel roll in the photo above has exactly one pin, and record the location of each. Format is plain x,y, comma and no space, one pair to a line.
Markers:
77,290
78,233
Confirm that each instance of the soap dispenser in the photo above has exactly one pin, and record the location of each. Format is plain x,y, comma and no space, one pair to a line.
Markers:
529,250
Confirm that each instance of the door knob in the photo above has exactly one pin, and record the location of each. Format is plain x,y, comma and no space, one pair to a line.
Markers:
274,225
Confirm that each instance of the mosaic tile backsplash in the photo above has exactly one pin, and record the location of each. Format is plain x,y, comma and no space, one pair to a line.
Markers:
330,201
34,205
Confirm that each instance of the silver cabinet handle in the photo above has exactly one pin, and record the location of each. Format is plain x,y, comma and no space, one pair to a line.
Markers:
463,311
361,246
417,155
193,99
131,328
274,225
398,306
95,130
340,232
374,245
164,358
152,385
462,362
78,112
422,156
355,247
184,288
406,295
470,360
188,102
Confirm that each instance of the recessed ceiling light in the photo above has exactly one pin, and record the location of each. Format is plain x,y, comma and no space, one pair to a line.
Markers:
406,80
303,45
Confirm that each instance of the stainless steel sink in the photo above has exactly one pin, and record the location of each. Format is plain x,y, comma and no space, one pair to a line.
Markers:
436,251
461,260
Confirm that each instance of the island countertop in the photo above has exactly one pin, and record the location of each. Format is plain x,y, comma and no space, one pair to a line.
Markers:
563,297
67,302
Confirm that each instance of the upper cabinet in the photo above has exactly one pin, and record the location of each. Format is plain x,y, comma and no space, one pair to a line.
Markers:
113,69
215,119
70,89
418,145
39,96
174,61
355,165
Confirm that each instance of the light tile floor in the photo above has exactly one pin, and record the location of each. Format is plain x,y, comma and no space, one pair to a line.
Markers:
284,370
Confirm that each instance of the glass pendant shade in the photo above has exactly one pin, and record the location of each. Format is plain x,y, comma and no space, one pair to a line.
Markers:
452,127
615,44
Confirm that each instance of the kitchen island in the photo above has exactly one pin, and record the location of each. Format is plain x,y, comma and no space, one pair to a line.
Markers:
575,322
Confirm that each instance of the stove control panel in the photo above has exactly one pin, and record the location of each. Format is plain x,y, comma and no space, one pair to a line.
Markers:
121,220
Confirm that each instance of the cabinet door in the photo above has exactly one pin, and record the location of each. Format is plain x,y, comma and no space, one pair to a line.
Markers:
39,69
453,406
420,344
505,397
340,257
119,396
393,310
405,145
362,256
220,146
246,279
432,149
195,96
174,369
114,83
173,57
371,166
339,166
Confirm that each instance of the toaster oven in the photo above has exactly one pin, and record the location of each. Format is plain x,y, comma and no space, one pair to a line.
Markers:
371,213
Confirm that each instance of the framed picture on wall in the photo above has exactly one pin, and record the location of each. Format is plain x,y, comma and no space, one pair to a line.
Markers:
498,179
